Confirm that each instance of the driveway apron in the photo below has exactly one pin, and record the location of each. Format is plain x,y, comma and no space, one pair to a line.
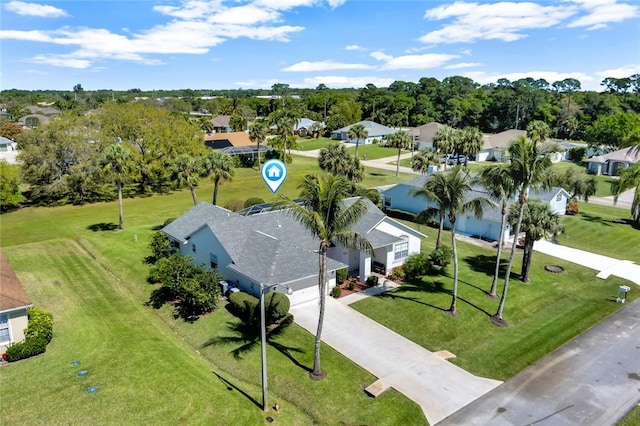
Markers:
439,387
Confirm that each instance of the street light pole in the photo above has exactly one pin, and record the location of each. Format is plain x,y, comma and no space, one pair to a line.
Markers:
263,339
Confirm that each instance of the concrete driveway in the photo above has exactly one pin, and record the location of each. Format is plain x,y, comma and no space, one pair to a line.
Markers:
592,380
439,387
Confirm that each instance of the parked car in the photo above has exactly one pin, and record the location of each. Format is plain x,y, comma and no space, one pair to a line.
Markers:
459,159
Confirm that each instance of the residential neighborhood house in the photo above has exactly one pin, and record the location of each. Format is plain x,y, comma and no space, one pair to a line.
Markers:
400,197
8,150
423,135
234,143
221,124
374,130
608,164
14,303
496,144
272,248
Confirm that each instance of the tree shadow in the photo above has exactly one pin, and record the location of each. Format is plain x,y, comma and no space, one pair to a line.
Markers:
595,219
103,226
485,264
230,387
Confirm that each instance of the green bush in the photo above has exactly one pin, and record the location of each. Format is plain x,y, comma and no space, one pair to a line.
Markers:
234,205
576,154
336,292
351,285
160,247
397,274
247,307
38,334
417,265
372,280
442,256
244,306
341,275
252,201
276,307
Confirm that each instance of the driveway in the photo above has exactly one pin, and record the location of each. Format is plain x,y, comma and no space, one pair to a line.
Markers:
605,265
592,380
439,387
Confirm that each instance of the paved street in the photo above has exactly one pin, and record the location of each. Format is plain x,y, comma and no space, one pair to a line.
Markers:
592,380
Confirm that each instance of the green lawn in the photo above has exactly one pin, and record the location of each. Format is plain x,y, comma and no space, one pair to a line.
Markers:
373,151
542,315
602,229
305,144
632,419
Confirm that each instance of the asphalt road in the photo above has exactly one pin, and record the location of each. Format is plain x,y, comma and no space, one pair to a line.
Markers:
592,380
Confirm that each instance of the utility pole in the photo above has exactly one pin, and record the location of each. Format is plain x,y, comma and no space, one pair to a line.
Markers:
517,115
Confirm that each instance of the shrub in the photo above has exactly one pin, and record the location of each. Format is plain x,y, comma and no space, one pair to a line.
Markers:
576,154
442,256
336,292
417,265
351,284
341,275
276,307
253,201
572,208
372,280
397,274
38,334
247,307
160,248
244,306
234,205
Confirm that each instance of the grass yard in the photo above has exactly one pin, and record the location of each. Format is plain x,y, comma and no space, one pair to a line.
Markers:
373,151
542,315
306,144
604,230
632,419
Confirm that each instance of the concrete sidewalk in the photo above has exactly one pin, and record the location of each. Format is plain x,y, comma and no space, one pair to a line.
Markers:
605,265
439,387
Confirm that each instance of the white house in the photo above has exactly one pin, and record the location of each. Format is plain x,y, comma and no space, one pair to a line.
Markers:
374,131
14,303
496,144
272,248
400,197
608,164
423,135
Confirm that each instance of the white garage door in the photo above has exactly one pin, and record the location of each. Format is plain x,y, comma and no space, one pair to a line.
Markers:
304,295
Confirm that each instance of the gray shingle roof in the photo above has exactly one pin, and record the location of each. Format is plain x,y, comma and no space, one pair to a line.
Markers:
188,223
373,129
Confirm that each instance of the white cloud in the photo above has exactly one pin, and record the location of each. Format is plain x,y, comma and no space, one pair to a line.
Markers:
463,65
353,47
504,21
414,62
336,3
621,72
306,66
33,9
601,12
61,61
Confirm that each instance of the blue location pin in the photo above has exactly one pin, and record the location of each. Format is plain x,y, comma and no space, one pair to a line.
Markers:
274,173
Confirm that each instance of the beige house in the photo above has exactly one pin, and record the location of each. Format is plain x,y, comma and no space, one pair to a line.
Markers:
423,135
608,164
496,144
14,303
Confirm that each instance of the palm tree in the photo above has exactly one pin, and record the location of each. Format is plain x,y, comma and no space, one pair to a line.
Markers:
335,159
117,160
357,132
401,140
538,222
219,166
538,131
629,178
529,168
187,170
237,122
500,186
329,219
451,194
472,141
433,190
423,159
446,140
258,134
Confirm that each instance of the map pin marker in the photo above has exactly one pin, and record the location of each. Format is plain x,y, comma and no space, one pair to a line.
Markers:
274,173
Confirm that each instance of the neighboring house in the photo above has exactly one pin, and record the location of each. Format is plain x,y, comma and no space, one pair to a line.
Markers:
221,124
234,143
303,125
608,164
8,150
272,248
46,110
423,135
496,144
399,197
374,130
14,303
32,121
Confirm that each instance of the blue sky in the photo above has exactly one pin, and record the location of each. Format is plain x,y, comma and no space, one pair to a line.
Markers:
219,44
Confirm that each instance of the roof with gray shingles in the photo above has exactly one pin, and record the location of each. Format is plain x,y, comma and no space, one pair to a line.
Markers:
373,129
182,227
626,155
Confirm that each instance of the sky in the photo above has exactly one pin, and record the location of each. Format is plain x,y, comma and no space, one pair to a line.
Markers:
233,44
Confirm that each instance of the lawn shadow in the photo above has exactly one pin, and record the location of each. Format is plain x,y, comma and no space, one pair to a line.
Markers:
485,264
230,387
103,226
595,219
421,287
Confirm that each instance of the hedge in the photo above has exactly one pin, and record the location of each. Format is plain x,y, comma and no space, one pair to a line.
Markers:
38,334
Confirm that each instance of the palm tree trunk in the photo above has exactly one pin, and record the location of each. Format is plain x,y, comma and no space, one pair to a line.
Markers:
215,191
398,165
440,229
512,254
258,154
193,195
493,292
454,296
526,260
317,373
120,209
357,143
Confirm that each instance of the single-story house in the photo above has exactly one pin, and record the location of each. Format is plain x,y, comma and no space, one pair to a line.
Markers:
234,143
374,131
423,135
304,125
400,197
44,110
272,248
14,303
8,150
608,164
221,124
32,121
496,144
7,144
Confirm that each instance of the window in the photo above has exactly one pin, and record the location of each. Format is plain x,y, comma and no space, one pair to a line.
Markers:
386,202
193,247
401,250
213,259
559,196
5,334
